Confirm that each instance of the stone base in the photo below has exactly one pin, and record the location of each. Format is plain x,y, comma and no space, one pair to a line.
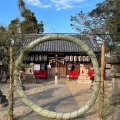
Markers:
83,77
29,78
79,81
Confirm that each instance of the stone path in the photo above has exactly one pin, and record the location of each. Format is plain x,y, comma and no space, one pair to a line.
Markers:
56,98
67,96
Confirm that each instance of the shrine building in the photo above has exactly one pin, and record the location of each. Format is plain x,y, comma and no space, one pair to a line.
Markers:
65,56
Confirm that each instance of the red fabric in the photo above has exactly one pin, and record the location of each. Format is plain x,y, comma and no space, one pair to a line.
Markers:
40,73
91,73
104,74
74,74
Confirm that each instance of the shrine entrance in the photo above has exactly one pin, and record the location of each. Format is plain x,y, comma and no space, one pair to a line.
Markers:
61,68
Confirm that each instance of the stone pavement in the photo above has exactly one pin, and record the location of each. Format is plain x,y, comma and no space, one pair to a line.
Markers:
55,98
58,98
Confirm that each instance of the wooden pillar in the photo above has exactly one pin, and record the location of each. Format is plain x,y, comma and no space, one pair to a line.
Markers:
10,99
101,99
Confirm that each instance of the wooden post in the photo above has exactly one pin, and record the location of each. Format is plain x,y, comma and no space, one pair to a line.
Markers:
101,99
10,99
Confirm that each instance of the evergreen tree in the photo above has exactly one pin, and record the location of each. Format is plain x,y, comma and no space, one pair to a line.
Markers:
29,24
9,37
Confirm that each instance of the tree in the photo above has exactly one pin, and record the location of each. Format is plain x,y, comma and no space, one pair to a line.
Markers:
109,12
3,36
29,24
40,28
15,36
12,32
8,36
13,26
103,21
4,43
21,5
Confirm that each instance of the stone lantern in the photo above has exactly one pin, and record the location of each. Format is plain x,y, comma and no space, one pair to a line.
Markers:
114,60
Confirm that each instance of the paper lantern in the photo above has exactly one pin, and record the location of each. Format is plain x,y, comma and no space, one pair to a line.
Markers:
67,58
83,58
27,58
75,58
71,58
79,58
45,57
40,57
36,57
32,58
87,58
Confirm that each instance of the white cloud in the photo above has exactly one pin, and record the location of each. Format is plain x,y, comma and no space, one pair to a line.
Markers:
61,4
37,3
58,4
65,4
34,2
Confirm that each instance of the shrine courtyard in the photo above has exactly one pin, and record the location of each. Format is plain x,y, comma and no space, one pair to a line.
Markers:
66,96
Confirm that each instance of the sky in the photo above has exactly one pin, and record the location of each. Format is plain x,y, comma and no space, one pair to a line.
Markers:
55,14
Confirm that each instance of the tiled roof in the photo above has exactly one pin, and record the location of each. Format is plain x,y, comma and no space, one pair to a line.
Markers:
61,45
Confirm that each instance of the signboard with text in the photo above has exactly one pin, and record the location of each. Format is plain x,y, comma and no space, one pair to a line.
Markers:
36,66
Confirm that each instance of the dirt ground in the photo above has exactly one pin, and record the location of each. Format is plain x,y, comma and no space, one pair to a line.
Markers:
81,94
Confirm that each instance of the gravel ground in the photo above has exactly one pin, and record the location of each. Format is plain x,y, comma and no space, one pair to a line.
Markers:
67,96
